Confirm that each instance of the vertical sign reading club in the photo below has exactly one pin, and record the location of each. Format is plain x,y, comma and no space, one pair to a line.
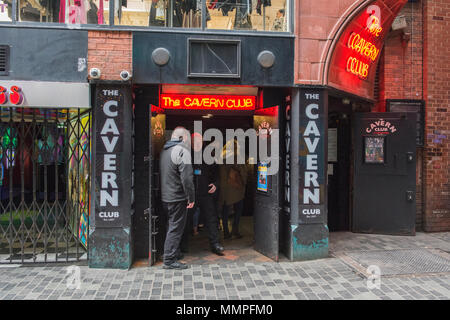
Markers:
112,169
312,170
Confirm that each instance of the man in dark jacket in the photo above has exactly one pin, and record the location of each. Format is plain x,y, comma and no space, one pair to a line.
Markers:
177,193
205,181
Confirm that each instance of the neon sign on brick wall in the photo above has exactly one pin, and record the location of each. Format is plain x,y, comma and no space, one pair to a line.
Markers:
363,50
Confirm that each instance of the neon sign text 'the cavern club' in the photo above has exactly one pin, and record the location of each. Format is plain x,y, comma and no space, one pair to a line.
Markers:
365,48
215,102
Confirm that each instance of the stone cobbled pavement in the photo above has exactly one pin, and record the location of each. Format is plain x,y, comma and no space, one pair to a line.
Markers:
331,278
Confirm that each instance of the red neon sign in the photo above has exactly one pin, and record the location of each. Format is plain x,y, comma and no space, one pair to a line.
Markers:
206,102
363,46
352,66
374,26
357,67
15,96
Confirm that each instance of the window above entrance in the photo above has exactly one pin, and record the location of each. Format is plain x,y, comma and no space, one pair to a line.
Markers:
243,15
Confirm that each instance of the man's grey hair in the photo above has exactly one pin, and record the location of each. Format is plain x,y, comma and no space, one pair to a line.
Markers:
180,132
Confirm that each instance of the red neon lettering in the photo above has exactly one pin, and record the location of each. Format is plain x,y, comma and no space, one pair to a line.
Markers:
362,46
200,102
375,27
3,95
357,67
16,96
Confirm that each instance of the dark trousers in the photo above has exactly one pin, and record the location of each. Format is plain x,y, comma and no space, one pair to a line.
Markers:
238,208
176,217
208,210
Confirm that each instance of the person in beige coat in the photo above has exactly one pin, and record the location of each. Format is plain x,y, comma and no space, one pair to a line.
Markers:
233,180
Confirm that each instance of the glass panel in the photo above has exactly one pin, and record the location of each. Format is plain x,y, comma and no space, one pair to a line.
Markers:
63,11
260,15
5,10
140,13
159,13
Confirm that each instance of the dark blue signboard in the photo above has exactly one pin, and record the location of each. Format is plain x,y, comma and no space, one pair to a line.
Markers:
312,170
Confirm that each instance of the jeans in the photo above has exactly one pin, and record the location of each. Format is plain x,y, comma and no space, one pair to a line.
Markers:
196,217
207,208
176,213
238,208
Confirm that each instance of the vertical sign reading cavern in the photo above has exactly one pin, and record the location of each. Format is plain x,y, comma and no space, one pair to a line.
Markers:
111,168
312,170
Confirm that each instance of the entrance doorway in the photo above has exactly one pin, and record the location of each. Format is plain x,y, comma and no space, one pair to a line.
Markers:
198,251
371,169
259,223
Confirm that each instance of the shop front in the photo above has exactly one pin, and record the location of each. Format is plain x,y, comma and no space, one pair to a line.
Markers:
334,156
225,88
44,171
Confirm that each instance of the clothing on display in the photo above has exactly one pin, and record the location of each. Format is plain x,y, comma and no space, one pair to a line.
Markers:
265,3
243,11
157,13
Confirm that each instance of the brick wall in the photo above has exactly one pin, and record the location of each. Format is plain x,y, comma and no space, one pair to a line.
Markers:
437,130
111,52
401,77
401,71
415,65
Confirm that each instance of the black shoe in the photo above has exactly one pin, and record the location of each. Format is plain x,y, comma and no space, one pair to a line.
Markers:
175,265
227,236
237,235
218,250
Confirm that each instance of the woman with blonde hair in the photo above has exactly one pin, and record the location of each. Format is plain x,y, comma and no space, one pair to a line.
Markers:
233,179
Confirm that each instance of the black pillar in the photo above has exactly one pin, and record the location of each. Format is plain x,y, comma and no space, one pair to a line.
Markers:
110,218
309,173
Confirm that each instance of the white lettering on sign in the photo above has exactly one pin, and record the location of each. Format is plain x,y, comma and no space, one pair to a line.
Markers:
109,214
311,137
287,141
311,212
109,191
381,127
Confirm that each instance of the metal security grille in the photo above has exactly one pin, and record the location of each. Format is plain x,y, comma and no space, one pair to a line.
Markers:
45,184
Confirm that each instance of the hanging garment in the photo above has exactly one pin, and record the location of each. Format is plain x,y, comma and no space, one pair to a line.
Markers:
226,6
188,5
100,13
62,11
177,14
265,3
213,4
278,24
242,18
73,11
92,13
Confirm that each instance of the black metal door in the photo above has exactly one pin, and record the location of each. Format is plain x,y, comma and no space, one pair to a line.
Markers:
384,173
267,198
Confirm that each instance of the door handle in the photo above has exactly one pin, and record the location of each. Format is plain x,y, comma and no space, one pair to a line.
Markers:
409,196
409,157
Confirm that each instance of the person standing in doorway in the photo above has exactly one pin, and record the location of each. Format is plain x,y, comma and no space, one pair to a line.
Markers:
177,193
205,182
233,180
